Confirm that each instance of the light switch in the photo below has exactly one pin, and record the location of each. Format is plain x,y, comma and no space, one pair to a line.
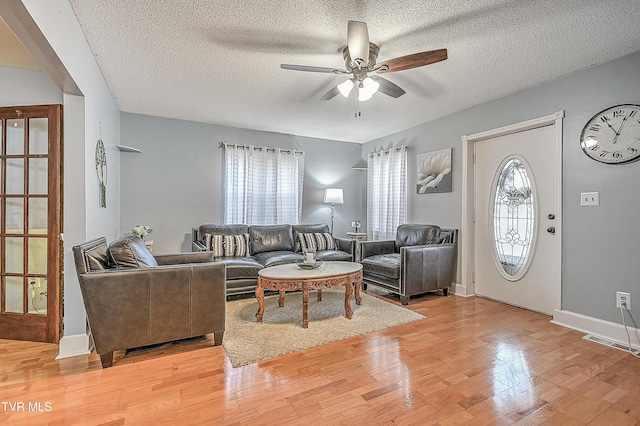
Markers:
589,199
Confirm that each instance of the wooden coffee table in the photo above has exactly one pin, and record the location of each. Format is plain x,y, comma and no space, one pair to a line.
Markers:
291,277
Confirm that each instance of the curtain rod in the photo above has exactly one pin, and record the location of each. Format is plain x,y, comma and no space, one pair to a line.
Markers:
387,151
257,148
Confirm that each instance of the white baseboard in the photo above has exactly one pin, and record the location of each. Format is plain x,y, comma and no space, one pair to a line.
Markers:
75,345
461,291
589,325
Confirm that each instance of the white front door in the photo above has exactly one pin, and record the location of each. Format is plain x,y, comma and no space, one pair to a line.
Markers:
517,218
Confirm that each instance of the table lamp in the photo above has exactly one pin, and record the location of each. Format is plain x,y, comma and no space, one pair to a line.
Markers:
333,196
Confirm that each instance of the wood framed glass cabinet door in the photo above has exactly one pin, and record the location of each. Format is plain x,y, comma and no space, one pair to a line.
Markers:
31,223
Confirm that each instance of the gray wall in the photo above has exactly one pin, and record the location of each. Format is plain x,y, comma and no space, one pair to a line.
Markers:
176,183
601,245
26,87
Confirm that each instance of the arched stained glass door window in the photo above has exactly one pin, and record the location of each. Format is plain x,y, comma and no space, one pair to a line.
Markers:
513,219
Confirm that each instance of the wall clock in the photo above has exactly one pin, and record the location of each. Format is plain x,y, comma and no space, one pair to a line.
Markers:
612,136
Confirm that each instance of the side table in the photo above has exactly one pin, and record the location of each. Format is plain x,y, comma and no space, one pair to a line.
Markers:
357,236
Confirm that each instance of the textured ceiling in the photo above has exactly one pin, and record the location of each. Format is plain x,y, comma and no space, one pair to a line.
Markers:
219,61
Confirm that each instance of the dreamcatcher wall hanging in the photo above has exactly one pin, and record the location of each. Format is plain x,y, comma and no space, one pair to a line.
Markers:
101,170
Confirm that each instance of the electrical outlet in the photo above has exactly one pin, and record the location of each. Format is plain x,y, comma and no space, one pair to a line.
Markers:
623,300
589,199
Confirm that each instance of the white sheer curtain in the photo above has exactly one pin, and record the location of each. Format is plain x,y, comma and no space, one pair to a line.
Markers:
262,186
386,193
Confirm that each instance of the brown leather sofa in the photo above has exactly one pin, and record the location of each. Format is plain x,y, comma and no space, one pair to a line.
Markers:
269,245
421,259
133,298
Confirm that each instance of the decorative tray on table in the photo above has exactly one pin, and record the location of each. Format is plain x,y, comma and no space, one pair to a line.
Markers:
309,265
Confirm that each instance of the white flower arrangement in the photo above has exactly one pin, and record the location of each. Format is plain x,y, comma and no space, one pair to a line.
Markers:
141,231
356,224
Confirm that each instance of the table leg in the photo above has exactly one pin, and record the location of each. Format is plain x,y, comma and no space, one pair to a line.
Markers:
260,297
281,299
357,285
348,291
319,295
305,306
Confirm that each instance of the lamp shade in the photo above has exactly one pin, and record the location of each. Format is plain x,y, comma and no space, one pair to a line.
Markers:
367,89
360,165
333,196
345,88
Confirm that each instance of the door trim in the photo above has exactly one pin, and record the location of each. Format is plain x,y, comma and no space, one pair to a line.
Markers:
467,234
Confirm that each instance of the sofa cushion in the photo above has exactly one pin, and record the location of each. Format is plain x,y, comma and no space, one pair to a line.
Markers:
305,228
273,258
316,242
387,265
240,267
228,245
131,252
232,229
334,255
97,259
266,238
416,235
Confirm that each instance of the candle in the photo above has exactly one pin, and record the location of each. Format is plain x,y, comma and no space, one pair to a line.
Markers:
309,257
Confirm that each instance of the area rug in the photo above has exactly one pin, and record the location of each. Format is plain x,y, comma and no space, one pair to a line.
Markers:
247,341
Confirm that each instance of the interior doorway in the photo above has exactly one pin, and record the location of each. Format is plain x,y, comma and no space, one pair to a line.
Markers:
31,222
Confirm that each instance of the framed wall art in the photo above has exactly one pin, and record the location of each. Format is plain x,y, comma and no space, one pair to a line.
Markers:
434,172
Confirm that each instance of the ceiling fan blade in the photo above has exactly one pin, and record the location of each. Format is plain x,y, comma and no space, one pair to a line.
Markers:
330,94
414,61
388,88
312,69
358,42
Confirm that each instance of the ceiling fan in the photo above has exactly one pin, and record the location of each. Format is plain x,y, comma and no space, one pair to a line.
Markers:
360,57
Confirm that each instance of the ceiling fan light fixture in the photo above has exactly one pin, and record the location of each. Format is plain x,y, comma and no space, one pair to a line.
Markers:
367,89
358,43
360,59
345,88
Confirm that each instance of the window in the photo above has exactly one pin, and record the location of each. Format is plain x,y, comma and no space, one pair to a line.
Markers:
262,186
513,218
386,193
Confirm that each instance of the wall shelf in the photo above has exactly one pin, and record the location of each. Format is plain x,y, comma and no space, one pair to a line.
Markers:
124,148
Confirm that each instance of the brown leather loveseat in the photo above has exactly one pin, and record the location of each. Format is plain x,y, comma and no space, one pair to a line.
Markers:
133,298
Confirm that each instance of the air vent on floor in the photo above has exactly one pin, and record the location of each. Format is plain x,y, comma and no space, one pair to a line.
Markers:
610,343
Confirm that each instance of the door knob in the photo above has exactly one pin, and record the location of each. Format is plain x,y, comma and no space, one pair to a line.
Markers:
551,230
551,216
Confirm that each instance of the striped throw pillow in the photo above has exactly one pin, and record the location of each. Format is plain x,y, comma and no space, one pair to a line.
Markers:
207,241
228,245
316,241
236,245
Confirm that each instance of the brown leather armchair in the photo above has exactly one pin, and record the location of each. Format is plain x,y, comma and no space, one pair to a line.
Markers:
139,305
421,259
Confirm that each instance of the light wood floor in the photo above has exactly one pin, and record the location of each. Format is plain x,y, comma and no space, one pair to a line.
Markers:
471,361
